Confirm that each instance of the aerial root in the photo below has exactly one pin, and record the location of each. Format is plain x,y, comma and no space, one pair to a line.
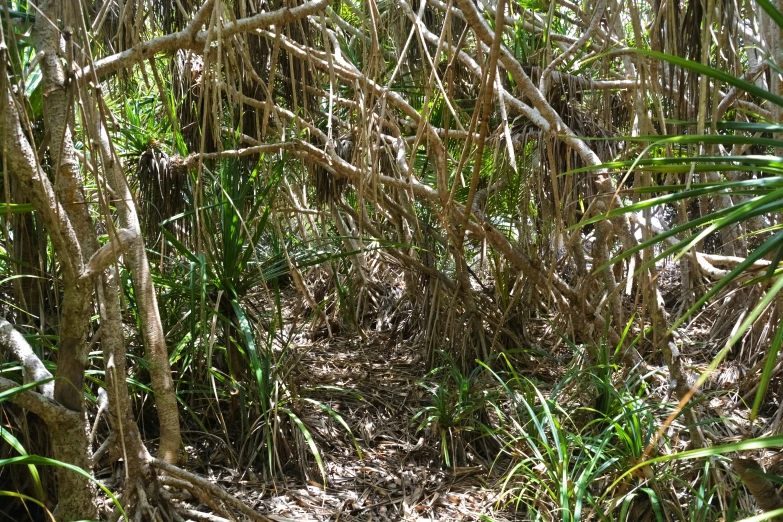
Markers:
206,491
196,492
142,504
762,489
156,504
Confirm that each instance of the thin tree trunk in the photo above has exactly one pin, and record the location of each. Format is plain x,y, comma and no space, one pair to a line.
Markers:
146,300
69,444
69,188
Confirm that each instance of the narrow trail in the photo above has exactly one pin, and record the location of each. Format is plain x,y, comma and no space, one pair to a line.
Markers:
372,387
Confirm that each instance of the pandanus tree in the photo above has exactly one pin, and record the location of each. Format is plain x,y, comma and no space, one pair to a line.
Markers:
463,136
66,214
55,186
728,157
392,174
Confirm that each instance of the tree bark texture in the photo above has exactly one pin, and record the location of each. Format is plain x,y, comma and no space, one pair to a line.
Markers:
70,444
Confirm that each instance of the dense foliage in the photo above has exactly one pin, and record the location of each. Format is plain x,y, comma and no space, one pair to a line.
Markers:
567,214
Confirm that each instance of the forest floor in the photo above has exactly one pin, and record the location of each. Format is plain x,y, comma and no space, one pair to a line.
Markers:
365,391
352,391
372,386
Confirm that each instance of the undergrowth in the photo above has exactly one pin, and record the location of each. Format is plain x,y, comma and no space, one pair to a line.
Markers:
573,449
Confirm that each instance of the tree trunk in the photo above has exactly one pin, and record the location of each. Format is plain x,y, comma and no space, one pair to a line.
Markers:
70,444
146,300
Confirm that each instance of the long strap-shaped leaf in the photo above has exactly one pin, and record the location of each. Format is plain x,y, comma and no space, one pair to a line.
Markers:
717,74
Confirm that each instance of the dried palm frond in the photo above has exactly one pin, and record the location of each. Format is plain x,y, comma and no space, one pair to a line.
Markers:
164,192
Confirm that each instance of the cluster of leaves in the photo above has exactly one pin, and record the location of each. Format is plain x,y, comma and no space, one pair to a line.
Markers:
555,457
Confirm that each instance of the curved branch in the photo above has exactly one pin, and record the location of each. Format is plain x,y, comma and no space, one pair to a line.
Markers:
108,253
568,53
194,39
50,411
11,341
22,162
